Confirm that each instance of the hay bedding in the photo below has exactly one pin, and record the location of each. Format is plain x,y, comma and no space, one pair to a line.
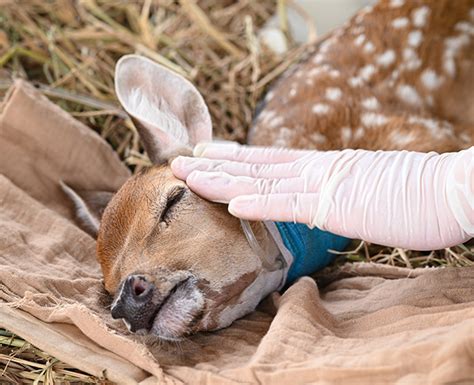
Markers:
69,48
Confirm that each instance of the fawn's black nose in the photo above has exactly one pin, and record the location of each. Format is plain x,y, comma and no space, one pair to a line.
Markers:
136,303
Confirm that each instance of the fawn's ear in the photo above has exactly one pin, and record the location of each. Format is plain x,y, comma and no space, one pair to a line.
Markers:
88,206
169,112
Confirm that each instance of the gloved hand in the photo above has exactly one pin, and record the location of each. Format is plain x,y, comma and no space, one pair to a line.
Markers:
421,201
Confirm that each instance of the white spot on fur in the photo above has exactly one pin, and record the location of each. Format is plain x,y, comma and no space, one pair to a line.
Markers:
359,40
320,108
355,82
292,92
318,137
326,67
276,121
369,47
367,72
309,82
415,38
386,59
269,96
333,93
284,136
465,27
430,79
402,139
346,136
358,30
267,115
408,95
359,133
318,59
370,103
437,129
325,45
400,22
299,74
420,16
396,3
316,71
334,74
464,136
372,119
411,59
452,47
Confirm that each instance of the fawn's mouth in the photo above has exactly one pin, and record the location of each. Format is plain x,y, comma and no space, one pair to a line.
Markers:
179,313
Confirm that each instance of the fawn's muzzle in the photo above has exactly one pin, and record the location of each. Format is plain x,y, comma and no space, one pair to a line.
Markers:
136,303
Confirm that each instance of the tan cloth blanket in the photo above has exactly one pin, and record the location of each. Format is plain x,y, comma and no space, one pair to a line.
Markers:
369,324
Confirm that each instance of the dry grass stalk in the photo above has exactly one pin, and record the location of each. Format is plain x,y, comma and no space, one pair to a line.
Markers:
22,363
70,48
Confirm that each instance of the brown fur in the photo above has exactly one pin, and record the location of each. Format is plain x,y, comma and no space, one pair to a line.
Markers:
451,104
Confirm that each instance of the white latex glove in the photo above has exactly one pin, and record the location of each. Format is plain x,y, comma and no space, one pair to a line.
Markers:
421,201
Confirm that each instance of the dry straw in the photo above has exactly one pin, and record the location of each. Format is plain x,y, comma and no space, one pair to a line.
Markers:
68,48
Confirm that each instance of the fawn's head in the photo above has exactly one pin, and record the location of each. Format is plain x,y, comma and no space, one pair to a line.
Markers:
175,263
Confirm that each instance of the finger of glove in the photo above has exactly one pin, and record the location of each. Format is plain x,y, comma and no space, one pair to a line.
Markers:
247,154
292,207
183,166
222,187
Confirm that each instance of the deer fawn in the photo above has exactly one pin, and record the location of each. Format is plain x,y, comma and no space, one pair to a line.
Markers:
399,75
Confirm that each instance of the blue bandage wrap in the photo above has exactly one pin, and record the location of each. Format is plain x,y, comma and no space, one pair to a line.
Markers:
309,248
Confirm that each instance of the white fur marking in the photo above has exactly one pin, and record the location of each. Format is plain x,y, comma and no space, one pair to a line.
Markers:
465,27
386,59
412,61
320,108
267,115
346,136
370,103
359,40
318,137
318,59
269,96
437,129
369,47
400,22
359,133
420,16
408,95
355,82
315,71
367,72
415,38
430,79
400,139
396,3
276,121
372,119
452,47
333,93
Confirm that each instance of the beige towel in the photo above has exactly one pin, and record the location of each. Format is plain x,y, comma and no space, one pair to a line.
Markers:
370,324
